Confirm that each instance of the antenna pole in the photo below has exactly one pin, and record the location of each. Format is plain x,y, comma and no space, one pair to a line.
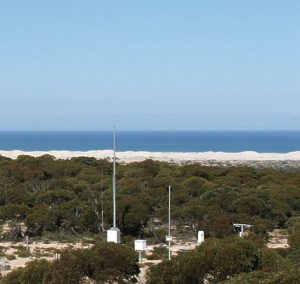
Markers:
102,208
169,233
102,212
114,180
114,234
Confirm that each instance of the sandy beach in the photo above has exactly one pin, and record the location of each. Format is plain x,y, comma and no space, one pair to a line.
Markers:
207,158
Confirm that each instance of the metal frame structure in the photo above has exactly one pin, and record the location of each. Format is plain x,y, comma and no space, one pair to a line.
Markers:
242,227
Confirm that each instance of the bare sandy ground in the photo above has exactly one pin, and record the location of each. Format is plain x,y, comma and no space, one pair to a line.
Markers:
278,239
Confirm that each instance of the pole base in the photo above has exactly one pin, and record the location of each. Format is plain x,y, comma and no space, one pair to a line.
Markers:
114,235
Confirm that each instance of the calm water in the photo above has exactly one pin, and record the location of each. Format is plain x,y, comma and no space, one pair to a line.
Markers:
175,141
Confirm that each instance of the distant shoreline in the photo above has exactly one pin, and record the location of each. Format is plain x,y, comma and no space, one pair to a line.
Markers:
248,158
155,141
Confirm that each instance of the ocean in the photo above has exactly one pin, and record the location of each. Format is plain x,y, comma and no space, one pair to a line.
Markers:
153,141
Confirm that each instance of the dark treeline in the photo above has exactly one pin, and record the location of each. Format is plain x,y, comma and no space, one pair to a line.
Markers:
48,195
41,196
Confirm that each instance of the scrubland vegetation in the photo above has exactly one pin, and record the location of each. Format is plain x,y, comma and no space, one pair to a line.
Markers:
45,198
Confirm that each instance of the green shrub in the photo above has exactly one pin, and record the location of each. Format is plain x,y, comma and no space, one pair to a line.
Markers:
23,252
160,252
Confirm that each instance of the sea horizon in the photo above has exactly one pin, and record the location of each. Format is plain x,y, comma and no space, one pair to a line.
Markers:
233,141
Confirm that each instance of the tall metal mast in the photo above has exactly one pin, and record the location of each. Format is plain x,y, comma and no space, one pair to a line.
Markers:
169,210
114,180
102,207
114,234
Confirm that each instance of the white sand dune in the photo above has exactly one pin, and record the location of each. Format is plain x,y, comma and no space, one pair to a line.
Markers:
175,157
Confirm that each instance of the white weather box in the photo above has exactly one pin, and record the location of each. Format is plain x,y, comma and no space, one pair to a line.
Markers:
114,235
169,238
200,239
140,245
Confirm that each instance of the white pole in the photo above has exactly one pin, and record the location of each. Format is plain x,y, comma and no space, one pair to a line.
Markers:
102,208
114,180
27,242
169,233
113,234
102,214
242,230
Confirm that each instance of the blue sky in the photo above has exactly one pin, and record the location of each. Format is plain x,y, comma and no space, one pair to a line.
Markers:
157,64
